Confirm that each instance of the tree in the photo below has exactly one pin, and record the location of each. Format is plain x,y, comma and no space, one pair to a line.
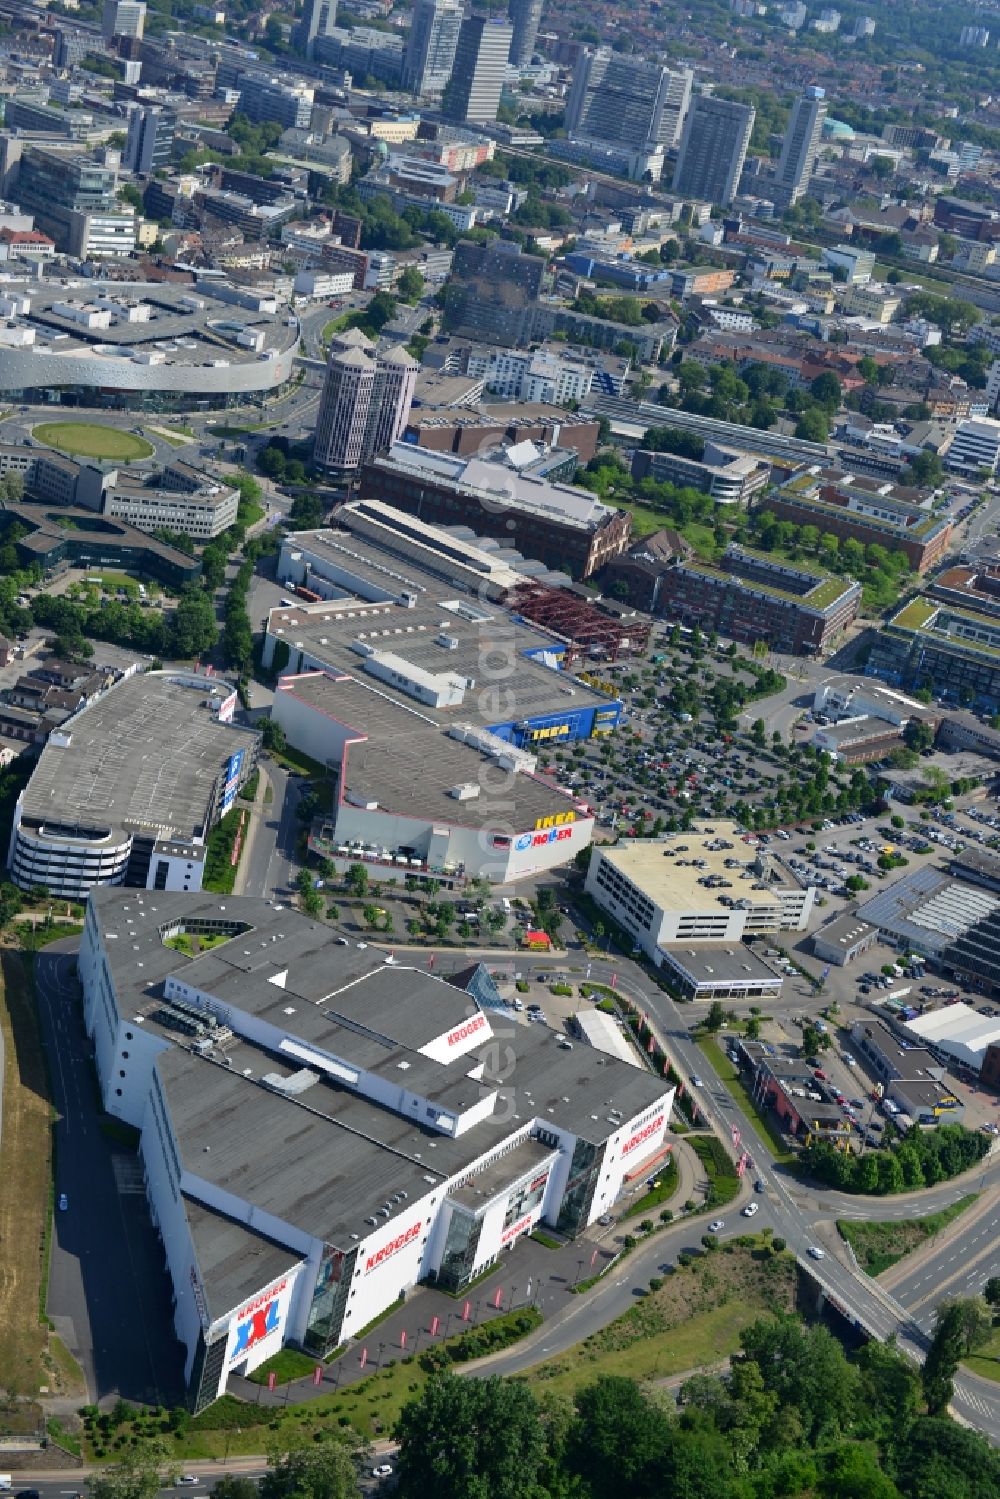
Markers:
812,425
469,1439
328,1470
618,1438
918,735
826,390
977,1324
357,880
943,1358
806,1369
991,1292
941,1460
272,735
232,1486
715,1017
925,469
136,1476
853,1472
410,285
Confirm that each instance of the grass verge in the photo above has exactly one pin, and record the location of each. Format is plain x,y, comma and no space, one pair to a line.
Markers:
688,1319
286,1365
25,1182
878,1245
731,1077
723,1183
986,1360
666,1186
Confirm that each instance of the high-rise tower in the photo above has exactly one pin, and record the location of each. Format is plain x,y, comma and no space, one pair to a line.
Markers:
800,146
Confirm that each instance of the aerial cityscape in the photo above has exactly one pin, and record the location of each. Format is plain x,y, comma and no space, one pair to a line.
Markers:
499,750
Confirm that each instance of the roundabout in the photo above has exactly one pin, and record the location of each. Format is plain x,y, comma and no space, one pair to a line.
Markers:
93,440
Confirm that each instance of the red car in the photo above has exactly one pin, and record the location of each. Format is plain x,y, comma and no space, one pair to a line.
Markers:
818,1072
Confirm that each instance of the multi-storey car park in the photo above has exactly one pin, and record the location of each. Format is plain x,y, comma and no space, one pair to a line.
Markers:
127,791
705,886
155,347
414,1131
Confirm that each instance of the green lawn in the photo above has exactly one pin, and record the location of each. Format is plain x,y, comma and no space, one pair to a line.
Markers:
666,1185
879,1245
93,440
645,521
986,1360
730,1075
688,1318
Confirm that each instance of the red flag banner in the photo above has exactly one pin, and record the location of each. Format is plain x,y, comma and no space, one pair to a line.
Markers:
402,1338
318,1374
498,1298
593,1259
466,1311
271,1380
435,1324
364,1357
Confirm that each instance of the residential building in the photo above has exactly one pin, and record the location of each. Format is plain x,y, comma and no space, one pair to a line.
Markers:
568,529
713,149
150,140
751,597
123,18
626,101
493,293
516,375
800,146
525,18
975,448
663,900
431,45
365,402
472,95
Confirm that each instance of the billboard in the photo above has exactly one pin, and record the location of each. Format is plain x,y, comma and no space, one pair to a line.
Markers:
257,1321
228,707
233,767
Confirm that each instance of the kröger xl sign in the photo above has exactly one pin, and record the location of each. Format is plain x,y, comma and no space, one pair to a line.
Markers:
643,1134
393,1247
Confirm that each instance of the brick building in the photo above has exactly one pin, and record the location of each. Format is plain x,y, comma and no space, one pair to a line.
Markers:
874,512
751,597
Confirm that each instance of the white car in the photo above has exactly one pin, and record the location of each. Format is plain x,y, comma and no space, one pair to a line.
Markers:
816,1253
384,1470
751,1209
717,1225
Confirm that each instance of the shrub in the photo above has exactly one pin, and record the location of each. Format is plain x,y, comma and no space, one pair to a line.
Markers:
710,1241
667,1215
778,1245
646,1226
656,1282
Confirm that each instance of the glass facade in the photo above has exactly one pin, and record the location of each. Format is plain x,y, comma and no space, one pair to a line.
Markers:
578,1198
326,1314
460,1250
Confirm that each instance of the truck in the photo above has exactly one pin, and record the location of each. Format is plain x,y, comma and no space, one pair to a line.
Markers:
306,593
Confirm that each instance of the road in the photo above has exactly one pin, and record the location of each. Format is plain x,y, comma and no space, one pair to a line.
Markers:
270,860
109,1297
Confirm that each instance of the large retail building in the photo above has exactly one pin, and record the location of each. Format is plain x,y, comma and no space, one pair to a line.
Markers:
323,1128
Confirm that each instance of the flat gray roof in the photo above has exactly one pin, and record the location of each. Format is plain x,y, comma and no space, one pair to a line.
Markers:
407,763
147,756
234,1259
844,931
491,650
720,963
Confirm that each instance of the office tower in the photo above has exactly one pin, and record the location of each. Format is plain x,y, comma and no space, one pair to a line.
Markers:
477,79
365,402
70,48
525,17
150,140
713,149
319,18
799,148
431,45
626,100
493,293
123,18
56,185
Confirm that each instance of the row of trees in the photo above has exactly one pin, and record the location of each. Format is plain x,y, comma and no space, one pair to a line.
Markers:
921,1159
